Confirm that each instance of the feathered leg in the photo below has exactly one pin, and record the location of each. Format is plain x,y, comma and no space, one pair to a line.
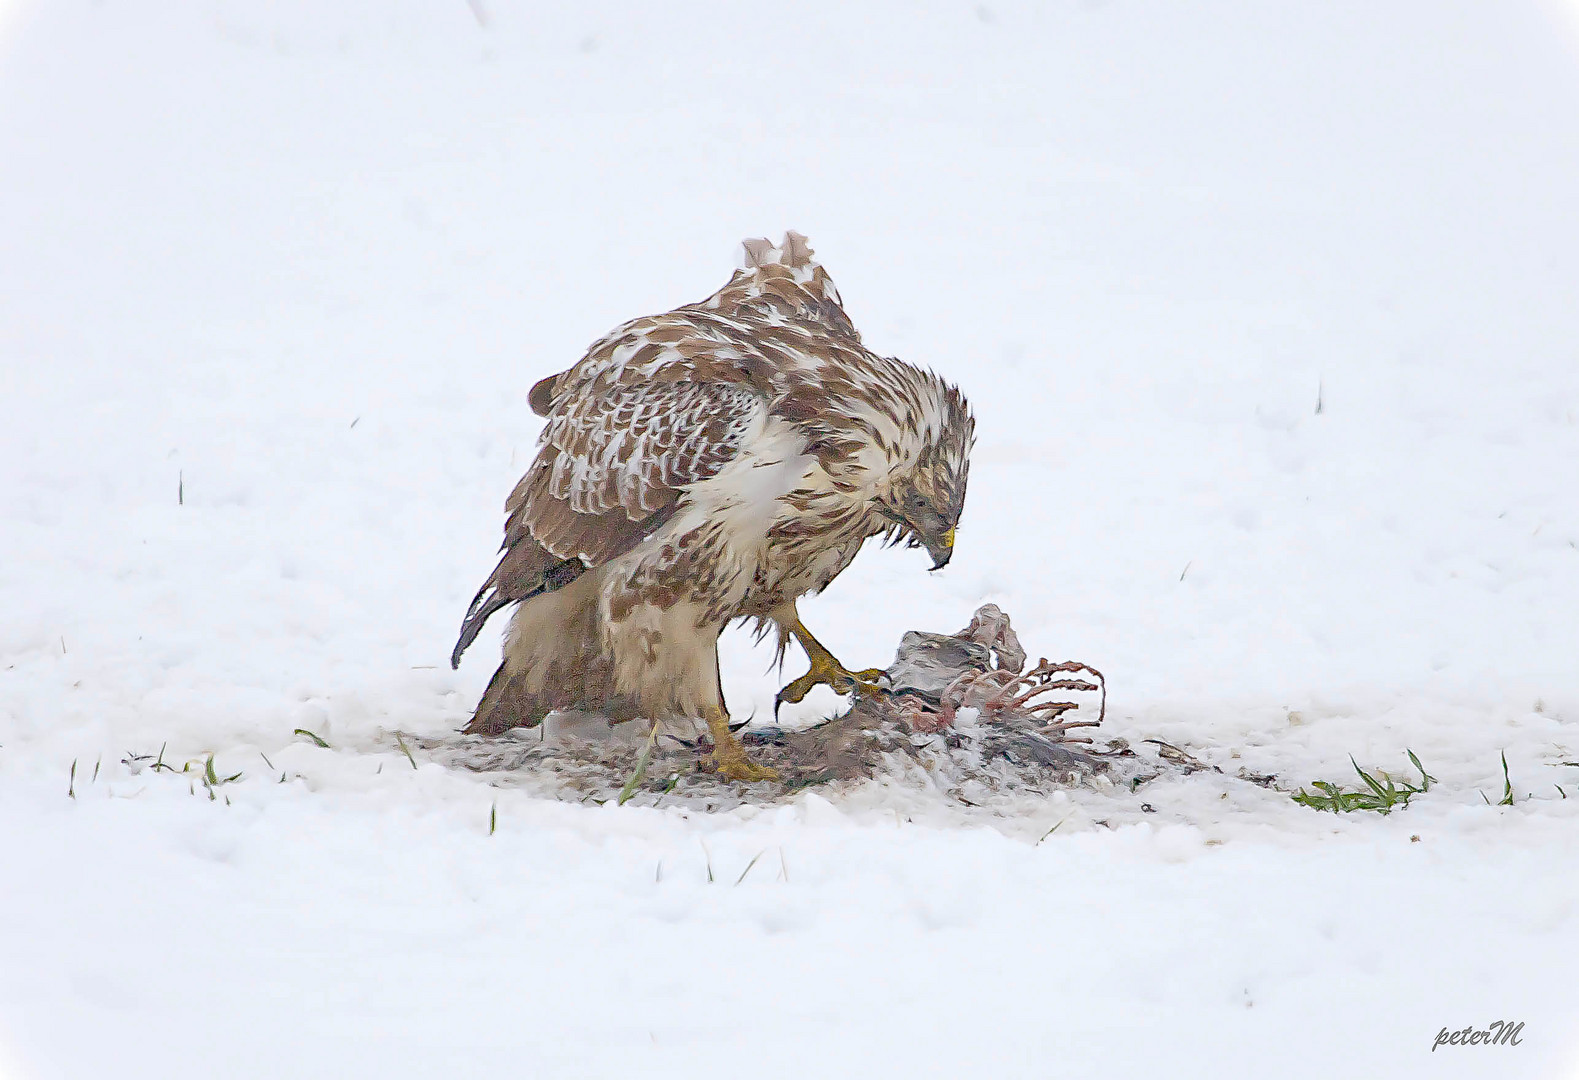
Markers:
665,658
825,668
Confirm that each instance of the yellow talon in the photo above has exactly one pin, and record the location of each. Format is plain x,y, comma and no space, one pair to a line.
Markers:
826,671
730,757
744,770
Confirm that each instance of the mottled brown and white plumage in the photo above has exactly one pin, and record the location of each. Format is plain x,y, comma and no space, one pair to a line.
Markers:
708,464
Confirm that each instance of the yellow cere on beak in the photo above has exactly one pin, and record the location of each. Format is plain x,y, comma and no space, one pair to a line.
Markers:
948,538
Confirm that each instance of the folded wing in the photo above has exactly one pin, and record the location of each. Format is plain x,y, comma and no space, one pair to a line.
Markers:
612,467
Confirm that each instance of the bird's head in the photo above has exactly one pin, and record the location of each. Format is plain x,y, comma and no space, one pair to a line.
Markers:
925,493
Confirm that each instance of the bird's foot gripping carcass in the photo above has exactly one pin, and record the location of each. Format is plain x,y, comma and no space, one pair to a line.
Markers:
961,707
962,715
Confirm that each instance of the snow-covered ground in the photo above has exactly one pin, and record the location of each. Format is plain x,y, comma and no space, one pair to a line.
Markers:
1270,316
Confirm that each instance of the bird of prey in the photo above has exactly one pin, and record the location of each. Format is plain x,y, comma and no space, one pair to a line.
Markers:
709,464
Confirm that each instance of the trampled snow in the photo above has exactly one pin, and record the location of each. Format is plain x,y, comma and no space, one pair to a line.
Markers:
1267,312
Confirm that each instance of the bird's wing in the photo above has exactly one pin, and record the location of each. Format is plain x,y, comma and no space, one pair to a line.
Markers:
612,466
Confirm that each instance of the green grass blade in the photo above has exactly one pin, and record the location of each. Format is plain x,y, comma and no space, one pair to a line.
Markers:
640,770
1370,782
404,749
1426,779
747,870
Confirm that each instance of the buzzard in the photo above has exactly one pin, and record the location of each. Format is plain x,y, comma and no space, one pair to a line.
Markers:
709,464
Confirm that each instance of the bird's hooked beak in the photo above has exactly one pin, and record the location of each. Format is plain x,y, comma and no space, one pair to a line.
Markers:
941,549
939,545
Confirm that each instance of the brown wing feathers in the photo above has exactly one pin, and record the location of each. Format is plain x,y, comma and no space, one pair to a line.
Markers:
525,570
611,469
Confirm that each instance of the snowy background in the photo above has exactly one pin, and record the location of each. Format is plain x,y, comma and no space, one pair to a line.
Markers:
1268,313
